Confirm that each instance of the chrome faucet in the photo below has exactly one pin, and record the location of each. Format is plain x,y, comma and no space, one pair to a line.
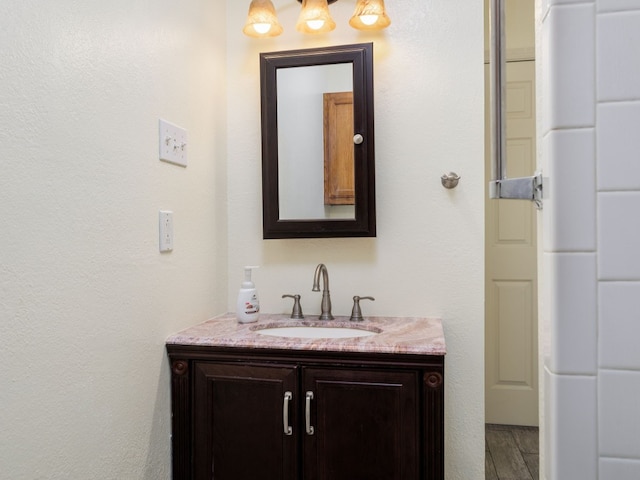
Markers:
325,306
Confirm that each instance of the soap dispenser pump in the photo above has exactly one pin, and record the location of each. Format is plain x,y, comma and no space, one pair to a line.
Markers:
248,306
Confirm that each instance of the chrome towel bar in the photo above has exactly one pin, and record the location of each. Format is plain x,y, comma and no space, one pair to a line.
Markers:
501,187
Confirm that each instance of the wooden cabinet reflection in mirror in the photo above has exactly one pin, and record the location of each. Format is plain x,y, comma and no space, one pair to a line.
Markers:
338,149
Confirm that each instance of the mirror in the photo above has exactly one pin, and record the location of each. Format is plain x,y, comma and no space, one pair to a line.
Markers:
318,162
315,142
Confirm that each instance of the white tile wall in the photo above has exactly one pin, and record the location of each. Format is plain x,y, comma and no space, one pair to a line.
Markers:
571,221
618,146
618,413
619,314
571,59
618,235
551,3
619,469
618,5
572,435
590,117
573,315
617,43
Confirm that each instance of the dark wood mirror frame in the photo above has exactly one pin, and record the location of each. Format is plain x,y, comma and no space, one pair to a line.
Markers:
364,223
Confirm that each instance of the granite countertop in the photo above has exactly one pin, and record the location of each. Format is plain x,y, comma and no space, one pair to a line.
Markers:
408,335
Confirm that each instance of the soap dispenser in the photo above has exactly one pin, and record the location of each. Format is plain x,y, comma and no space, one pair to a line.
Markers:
248,306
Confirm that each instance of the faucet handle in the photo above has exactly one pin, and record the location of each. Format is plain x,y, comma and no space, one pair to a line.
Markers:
356,313
297,309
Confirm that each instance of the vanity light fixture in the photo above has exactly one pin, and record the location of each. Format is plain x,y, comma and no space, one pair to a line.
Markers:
370,15
314,17
262,20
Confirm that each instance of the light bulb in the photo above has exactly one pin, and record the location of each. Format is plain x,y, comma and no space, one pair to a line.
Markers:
262,28
315,24
369,19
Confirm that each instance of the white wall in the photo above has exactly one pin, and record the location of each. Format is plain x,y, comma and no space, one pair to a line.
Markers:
86,299
590,99
428,256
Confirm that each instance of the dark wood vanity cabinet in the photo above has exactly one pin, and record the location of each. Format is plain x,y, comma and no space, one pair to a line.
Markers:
272,415
366,424
238,422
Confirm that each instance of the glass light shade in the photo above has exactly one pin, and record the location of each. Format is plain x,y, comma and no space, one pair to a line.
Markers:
370,15
315,17
262,20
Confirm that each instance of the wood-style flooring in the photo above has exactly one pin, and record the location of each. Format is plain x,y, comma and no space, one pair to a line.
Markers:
511,453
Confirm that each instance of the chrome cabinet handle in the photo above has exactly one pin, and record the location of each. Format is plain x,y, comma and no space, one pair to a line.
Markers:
285,413
307,413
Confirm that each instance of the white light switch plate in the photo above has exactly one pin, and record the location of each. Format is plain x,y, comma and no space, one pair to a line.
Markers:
173,143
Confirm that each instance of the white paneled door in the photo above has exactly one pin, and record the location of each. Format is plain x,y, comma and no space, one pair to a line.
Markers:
511,327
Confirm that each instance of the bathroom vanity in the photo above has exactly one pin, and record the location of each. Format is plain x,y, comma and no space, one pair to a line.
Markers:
248,403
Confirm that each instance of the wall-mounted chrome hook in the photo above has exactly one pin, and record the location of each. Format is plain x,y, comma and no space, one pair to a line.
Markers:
450,180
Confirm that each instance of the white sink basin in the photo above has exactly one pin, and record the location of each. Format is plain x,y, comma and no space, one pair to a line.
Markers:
307,331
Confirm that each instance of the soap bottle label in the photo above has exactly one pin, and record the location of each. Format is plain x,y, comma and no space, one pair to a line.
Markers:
252,306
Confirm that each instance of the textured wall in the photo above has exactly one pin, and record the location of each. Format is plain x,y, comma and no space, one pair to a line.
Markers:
428,256
86,299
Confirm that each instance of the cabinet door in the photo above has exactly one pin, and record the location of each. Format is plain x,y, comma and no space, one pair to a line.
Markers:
365,425
239,421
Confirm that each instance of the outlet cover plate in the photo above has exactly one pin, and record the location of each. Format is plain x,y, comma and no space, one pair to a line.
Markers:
165,228
172,141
